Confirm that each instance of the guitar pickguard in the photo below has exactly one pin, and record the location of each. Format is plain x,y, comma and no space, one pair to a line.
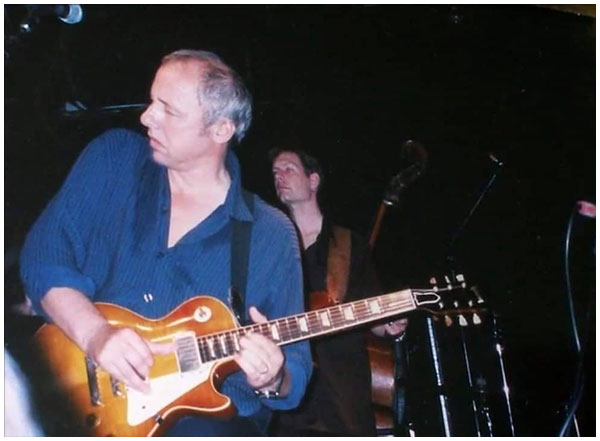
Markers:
168,388
165,390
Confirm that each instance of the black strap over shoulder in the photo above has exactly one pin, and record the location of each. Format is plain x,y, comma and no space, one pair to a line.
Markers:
240,256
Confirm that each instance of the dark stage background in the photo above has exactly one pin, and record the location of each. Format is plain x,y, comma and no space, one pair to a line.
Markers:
350,84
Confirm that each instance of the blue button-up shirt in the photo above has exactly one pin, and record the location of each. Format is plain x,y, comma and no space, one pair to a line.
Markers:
105,234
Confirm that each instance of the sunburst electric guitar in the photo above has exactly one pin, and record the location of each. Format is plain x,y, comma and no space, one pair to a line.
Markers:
206,336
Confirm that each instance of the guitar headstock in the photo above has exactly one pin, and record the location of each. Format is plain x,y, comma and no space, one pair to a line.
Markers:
451,297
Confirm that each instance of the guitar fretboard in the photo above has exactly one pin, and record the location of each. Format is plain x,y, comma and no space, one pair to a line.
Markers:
309,324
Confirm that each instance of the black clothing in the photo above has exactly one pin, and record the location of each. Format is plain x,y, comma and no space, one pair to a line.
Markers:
338,398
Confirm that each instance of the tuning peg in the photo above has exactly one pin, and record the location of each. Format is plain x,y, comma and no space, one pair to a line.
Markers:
448,320
476,319
462,321
460,278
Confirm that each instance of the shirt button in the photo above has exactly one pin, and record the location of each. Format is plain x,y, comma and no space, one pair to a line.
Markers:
148,298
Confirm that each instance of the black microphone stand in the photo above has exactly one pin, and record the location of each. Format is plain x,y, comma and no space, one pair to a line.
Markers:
478,395
497,167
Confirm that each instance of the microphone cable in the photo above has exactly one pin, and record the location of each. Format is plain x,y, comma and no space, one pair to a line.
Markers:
579,374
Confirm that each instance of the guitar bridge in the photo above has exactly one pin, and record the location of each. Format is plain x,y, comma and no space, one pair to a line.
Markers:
115,387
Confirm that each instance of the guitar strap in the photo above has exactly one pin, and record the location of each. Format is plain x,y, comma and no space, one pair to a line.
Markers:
338,263
240,256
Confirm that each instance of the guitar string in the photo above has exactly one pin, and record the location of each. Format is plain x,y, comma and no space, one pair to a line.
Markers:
335,314
336,317
215,346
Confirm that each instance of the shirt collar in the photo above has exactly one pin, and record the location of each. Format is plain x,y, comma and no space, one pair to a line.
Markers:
152,201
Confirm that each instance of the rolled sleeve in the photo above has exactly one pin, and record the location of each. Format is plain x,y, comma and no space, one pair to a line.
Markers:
56,249
52,256
53,276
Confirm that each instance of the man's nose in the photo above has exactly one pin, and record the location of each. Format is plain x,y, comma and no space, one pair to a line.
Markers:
147,118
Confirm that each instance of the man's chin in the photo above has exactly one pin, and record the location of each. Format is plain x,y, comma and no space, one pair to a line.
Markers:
158,157
286,200
282,196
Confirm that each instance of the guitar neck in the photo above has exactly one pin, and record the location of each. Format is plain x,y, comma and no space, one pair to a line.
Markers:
309,324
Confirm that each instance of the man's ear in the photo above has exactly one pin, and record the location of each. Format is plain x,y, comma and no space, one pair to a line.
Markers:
314,181
222,130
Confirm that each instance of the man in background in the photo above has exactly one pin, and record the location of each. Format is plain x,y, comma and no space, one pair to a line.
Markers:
337,268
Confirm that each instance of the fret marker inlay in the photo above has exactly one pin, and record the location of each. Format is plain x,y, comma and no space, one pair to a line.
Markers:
274,332
325,318
374,307
303,325
348,313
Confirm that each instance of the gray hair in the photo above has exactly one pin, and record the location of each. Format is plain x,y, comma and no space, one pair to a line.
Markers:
221,90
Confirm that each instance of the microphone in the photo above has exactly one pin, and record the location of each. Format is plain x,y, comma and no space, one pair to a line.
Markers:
495,159
70,14
586,209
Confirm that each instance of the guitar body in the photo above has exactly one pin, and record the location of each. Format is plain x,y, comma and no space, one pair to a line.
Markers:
205,337
102,407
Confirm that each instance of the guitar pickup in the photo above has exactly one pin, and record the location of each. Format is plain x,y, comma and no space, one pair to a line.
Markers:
188,353
90,370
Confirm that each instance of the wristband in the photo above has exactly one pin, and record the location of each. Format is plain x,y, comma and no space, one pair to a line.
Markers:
272,392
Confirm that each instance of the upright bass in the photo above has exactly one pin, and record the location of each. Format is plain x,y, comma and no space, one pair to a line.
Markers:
387,360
